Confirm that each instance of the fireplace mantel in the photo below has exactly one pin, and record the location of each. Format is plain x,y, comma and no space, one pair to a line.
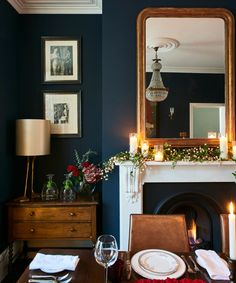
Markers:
131,183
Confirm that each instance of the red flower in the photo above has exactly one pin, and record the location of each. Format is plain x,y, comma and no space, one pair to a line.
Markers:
85,164
73,169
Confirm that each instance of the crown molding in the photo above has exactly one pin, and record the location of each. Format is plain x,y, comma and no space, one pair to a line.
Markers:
57,6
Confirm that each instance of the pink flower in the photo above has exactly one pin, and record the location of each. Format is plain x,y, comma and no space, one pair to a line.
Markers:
73,169
92,174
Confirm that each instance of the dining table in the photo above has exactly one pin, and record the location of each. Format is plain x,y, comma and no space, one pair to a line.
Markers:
89,271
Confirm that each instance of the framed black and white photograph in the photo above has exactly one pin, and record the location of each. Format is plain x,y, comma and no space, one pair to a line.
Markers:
61,60
63,109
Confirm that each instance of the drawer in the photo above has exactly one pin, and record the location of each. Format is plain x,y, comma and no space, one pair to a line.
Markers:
52,213
27,230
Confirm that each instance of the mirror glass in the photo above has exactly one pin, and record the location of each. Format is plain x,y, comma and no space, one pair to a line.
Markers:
206,120
193,47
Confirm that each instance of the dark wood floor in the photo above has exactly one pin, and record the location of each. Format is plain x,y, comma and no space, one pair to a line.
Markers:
17,269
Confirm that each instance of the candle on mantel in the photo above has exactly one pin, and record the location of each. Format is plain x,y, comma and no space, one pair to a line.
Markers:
234,150
232,232
159,155
223,147
145,148
133,143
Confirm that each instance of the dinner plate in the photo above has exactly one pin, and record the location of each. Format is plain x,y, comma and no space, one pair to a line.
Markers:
158,262
181,267
51,270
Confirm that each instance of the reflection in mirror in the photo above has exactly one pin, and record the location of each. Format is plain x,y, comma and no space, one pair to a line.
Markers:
192,68
207,120
195,48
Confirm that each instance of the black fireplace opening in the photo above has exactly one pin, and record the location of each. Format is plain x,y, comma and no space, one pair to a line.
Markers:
201,203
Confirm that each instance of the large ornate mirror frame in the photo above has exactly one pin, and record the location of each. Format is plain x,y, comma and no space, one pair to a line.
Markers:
229,70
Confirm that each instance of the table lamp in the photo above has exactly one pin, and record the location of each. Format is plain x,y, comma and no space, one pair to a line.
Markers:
32,139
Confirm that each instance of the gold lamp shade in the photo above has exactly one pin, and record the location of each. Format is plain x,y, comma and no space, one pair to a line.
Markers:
32,139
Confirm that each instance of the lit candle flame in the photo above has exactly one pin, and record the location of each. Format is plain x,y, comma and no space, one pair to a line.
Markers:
231,208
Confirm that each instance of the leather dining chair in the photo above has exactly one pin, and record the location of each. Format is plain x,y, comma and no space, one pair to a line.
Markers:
224,233
168,232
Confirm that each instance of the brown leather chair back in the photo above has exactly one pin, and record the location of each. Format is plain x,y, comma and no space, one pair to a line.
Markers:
168,232
224,233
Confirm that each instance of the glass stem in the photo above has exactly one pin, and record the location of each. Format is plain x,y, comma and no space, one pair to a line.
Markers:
106,273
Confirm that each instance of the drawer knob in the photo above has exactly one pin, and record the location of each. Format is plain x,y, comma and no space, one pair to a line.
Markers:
32,213
72,230
72,214
32,230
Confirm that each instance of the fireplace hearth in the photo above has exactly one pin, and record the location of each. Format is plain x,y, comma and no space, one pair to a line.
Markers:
201,203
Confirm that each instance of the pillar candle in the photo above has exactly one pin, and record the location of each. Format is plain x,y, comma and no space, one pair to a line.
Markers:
232,233
159,155
234,150
224,147
145,148
133,143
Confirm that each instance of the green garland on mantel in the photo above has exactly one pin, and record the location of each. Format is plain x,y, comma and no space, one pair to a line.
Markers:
202,153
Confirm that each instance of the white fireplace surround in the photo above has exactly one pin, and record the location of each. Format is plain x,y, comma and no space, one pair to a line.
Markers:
131,183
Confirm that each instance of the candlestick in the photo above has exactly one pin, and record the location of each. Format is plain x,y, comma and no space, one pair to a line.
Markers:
133,143
159,155
145,148
232,232
234,149
223,147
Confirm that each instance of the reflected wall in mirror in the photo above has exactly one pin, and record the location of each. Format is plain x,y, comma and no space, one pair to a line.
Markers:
196,50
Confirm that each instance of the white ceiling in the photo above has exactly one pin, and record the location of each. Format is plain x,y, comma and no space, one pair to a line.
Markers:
201,44
57,6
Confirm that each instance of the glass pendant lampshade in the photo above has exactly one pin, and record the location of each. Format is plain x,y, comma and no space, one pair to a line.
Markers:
156,90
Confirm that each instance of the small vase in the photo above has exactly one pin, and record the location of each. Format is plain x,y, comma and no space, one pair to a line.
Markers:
49,191
67,191
86,188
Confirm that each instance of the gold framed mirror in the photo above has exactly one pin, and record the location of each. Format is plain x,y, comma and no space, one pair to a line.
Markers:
185,16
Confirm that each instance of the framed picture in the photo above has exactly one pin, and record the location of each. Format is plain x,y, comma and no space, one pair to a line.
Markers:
61,60
63,109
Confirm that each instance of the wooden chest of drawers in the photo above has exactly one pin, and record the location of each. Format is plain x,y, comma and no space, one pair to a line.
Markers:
56,220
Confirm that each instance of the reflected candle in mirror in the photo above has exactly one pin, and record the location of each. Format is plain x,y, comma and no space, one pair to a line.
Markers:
133,143
145,148
234,150
223,147
232,232
212,135
159,153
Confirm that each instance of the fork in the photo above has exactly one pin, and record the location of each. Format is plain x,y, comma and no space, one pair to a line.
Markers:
194,264
47,280
189,268
57,278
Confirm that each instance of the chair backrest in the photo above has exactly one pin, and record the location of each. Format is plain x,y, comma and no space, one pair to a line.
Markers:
168,232
224,233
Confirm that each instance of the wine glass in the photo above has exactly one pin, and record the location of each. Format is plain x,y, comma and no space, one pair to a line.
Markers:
106,252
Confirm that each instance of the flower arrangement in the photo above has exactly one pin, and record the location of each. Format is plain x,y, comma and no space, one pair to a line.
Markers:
84,173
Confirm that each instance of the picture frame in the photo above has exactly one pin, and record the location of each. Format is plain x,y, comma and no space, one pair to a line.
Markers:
61,60
63,110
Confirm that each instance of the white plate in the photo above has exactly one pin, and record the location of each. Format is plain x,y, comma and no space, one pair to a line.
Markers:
150,275
158,262
51,270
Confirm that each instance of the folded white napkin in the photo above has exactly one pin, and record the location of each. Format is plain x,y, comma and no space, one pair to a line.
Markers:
216,267
54,262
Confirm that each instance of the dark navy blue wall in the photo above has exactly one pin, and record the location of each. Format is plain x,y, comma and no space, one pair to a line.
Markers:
119,83
88,28
8,102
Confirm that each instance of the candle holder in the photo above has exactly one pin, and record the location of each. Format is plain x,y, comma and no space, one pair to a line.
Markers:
232,268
